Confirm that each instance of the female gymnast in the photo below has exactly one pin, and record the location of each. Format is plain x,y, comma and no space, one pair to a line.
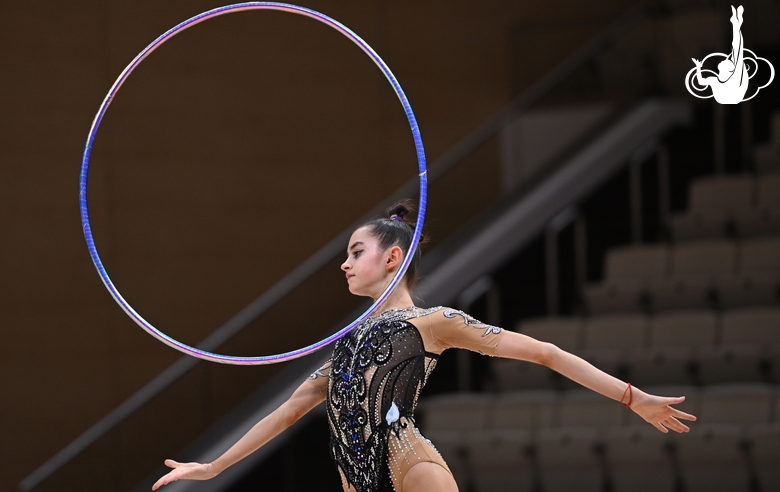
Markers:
373,379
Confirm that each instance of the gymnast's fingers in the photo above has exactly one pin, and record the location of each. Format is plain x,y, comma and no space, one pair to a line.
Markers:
682,415
676,425
660,427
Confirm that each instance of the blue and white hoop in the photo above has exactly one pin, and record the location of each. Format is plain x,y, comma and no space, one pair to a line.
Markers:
268,359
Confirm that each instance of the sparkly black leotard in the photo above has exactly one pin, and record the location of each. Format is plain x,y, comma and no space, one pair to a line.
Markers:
374,378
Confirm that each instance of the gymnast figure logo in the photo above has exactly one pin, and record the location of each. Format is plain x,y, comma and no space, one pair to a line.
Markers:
730,84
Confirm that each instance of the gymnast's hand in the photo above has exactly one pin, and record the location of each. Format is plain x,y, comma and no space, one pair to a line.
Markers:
185,471
657,410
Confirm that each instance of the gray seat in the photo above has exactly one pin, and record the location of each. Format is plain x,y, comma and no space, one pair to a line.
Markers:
750,347
691,291
456,412
751,325
615,331
699,224
636,261
674,337
695,268
609,338
639,459
756,288
761,220
711,459
765,452
500,461
769,189
526,410
690,328
760,254
707,257
740,404
713,203
616,295
731,363
627,271
567,460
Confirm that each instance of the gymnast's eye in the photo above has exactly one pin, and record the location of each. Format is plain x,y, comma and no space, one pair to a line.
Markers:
356,253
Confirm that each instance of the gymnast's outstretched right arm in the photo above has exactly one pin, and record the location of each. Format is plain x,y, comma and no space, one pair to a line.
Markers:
308,395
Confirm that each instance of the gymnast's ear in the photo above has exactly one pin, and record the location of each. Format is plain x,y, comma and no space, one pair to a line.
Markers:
394,256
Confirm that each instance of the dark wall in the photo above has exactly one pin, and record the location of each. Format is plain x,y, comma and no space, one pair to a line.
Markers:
235,151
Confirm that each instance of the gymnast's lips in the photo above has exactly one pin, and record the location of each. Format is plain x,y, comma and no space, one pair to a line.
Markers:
349,276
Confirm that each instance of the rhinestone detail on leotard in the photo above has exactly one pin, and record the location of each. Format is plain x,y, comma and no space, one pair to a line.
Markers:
380,365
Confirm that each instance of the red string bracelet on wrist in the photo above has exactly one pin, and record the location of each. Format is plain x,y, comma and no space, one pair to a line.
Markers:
630,396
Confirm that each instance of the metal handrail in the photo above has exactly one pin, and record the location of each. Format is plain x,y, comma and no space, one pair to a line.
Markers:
325,254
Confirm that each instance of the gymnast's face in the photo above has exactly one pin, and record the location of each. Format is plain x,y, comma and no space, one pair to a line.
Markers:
369,268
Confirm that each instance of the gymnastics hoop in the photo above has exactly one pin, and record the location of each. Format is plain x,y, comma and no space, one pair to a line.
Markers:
269,359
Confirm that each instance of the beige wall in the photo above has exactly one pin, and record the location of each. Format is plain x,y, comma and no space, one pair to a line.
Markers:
234,152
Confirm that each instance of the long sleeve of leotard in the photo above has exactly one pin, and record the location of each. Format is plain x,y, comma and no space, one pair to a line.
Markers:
451,328
319,378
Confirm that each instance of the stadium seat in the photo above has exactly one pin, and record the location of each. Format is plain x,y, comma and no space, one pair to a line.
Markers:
526,410
756,288
583,407
500,461
760,254
616,295
457,412
703,223
714,202
707,257
751,325
737,404
761,220
640,459
764,442
750,347
688,328
609,338
568,460
711,458
615,331
674,338
636,261
691,291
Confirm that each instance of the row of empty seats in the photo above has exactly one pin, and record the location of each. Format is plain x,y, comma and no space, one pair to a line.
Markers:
635,458
676,347
578,440
740,205
708,273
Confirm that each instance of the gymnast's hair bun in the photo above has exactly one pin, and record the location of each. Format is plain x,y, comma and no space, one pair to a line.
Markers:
403,210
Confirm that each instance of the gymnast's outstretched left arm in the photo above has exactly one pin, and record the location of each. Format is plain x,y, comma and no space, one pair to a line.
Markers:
656,410
451,328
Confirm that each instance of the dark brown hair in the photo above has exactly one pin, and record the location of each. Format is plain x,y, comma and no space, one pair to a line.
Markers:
399,232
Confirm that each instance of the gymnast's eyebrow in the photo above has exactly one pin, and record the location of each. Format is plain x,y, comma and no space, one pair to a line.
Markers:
354,245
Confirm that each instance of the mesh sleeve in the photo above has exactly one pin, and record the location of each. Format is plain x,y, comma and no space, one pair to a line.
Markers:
456,329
